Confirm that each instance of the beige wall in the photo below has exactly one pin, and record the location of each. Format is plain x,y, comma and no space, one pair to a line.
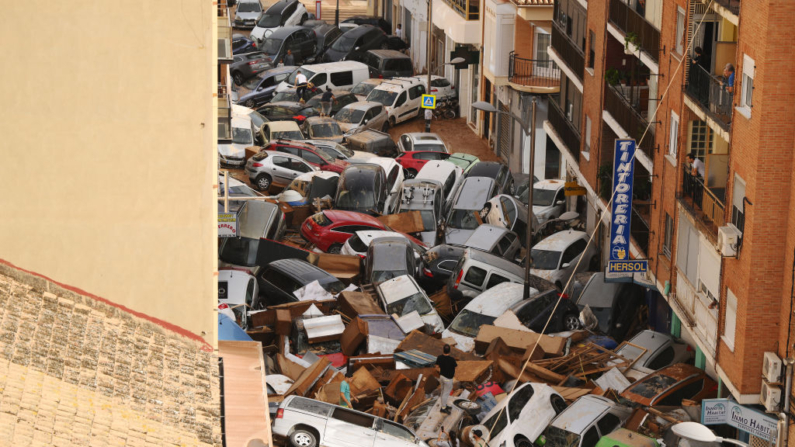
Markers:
107,151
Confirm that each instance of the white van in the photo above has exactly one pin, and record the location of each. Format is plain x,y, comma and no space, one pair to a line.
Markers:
401,97
448,174
334,75
234,153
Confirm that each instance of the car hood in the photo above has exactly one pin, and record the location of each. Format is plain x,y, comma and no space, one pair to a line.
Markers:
232,150
247,15
254,94
455,236
540,209
549,275
433,320
462,342
428,238
347,127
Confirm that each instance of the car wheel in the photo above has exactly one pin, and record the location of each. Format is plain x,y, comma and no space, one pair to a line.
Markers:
468,406
571,322
250,104
263,182
521,441
303,438
411,173
335,249
238,78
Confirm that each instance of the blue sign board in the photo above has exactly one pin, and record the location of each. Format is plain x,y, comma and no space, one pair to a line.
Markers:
619,264
725,411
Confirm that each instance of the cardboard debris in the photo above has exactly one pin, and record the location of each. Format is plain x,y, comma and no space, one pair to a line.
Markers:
308,378
344,267
519,340
473,371
324,328
288,367
362,381
386,362
284,322
407,222
354,335
398,389
613,380
426,343
442,303
354,304
312,312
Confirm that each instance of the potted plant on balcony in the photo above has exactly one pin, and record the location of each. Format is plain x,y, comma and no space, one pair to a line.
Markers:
631,38
612,76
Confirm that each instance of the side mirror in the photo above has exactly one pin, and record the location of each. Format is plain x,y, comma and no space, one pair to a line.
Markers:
560,202
565,265
356,49
260,88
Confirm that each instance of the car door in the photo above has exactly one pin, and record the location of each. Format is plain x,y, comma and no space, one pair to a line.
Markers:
308,44
390,434
379,118
282,170
312,158
349,428
415,100
367,118
400,107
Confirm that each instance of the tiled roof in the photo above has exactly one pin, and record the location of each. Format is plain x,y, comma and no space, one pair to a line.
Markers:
76,371
535,2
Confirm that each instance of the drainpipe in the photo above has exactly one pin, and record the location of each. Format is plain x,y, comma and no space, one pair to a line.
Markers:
783,423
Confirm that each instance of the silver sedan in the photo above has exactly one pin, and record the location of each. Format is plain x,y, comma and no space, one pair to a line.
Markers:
269,168
359,116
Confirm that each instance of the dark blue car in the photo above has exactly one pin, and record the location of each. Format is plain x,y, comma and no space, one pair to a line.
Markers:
259,89
242,44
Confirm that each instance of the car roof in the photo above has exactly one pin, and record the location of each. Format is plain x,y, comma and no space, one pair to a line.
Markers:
474,191
646,339
363,105
485,236
321,174
486,169
319,120
367,236
393,54
398,288
272,154
255,217
549,184
436,169
279,6
282,125
423,136
284,31
300,269
598,293
279,70
496,300
422,183
360,30
496,261
334,66
580,414
560,240
351,216
386,163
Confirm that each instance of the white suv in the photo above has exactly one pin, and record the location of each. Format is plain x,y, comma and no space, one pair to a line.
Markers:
309,423
402,98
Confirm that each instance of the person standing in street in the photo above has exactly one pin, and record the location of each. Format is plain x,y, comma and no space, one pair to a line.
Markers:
288,59
446,366
345,394
325,102
428,117
399,31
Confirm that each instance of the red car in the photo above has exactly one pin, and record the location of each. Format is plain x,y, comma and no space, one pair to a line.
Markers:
310,153
329,229
413,161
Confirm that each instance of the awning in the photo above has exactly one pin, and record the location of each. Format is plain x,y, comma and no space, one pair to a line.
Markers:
454,26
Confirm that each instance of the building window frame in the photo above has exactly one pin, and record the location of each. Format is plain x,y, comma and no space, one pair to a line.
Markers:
591,49
673,137
738,196
668,236
588,125
747,86
680,31
730,320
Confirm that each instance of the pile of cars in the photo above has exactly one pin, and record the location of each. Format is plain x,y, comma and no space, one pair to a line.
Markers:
357,258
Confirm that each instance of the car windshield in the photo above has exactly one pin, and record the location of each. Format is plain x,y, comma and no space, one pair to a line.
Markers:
363,89
307,73
384,97
541,197
545,259
351,116
270,46
327,154
241,135
463,220
287,135
380,276
653,386
239,251
361,200
256,119
249,7
269,20
252,83
557,437
468,323
409,304
430,147
326,130
344,43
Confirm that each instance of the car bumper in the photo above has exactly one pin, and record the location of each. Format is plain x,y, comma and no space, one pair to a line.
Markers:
231,161
244,24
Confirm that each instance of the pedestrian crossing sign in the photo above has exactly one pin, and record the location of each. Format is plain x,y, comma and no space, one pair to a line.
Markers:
428,101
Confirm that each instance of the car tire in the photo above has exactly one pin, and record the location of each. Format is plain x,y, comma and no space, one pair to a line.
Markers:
571,322
238,78
411,173
250,104
468,406
521,441
334,249
303,438
391,122
263,182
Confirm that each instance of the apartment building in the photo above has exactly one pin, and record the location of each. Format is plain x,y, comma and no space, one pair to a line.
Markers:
719,242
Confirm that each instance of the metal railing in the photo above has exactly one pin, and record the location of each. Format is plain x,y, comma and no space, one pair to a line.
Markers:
223,8
732,5
639,229
702,199
224,115
710,92
533,72
629,119
568,133
568,51
468,9
629,21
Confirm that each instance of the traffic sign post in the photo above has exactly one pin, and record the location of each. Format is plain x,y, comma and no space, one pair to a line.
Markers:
428,101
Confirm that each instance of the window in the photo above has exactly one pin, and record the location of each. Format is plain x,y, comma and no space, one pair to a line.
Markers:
591,49
342,78
310,406
608,423
498,421
320,79
680,30
747,97
587,133
353,417
312,158
738,196
663,359
495,279
288,149
673,138
573,251
447,266
700,138
669,235
392,178
730,320
396,430
300,166
518,401
416,92
475,276
591,438
282,162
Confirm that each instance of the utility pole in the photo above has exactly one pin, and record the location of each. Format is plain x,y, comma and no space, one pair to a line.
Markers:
430,32
337,15
529,235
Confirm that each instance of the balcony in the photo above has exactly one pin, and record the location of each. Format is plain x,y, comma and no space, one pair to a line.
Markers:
468,9
224,40
223,8
629,21
533,72
640,229
704,203
568,133
708,90
620,105
568,51
224,115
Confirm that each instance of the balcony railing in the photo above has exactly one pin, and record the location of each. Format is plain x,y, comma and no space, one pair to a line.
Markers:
732,5
223,8
224,115
702,201
629,119
533,72
568,51
629,21
568,133
710,92
468,9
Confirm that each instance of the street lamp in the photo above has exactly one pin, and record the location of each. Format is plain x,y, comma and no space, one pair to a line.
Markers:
455,61
528,130
700,433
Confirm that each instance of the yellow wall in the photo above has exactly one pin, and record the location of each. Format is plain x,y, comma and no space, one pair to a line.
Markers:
107,151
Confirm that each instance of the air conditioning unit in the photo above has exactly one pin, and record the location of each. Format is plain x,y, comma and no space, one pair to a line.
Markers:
771,367
728,237
770,396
